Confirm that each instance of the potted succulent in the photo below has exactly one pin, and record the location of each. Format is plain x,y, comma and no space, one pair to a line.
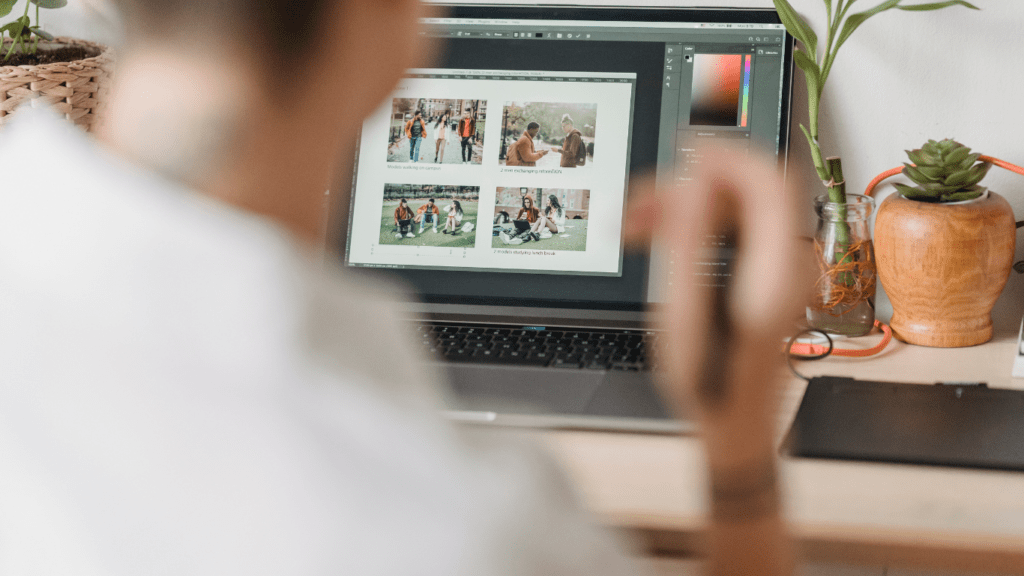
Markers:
843,301
944,247
69,75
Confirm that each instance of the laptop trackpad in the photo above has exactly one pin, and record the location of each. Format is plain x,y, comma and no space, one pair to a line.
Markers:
522,389
628,395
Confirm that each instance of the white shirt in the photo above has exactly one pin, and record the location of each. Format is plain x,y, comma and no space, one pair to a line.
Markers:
450,209
559,219
440,131
184,392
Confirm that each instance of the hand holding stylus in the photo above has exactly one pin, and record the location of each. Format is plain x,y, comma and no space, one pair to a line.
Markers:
719,349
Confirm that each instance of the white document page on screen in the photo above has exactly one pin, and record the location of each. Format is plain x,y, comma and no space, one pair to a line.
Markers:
416,147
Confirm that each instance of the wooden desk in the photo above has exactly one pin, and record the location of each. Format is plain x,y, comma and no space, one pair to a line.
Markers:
847,512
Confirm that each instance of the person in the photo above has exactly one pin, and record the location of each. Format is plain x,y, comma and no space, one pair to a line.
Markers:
415,130
403,219
527,215
467,131
440,137
428,214
550,221
454,218
573,152
187,388
522,151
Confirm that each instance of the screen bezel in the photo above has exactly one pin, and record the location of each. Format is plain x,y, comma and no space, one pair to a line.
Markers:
495,305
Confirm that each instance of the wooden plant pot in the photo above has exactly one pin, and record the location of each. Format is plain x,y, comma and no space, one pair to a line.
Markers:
943,267
77,89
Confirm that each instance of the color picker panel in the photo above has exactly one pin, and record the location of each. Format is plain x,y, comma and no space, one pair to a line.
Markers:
715,99
746,90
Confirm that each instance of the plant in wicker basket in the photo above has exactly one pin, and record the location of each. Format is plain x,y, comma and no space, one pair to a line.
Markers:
68,75
23,33
944,171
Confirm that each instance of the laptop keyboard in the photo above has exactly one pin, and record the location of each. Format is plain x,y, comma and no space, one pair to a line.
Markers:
566,348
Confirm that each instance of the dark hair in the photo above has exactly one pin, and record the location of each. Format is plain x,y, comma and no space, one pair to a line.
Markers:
403,201
458,207
418,113
287,30
531,201
431,200
532,125
554,204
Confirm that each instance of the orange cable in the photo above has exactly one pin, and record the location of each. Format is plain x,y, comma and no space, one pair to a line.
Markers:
817,349
894,171
804,349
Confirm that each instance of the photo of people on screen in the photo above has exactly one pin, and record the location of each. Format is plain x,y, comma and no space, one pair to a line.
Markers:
547,135
558,221
429,215
437,131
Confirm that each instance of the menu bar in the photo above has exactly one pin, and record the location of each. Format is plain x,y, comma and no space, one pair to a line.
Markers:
593,23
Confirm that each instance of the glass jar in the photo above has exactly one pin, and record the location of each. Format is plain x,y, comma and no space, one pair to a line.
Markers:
843,300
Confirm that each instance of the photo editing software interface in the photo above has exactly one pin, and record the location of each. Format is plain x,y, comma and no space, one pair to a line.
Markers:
503,172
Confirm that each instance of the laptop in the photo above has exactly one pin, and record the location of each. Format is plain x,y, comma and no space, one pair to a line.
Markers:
495,182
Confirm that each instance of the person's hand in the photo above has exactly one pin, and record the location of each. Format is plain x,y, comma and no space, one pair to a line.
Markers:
558,150
726,373
544,152
744,193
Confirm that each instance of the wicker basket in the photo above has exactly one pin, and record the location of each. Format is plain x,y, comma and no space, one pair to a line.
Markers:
78,89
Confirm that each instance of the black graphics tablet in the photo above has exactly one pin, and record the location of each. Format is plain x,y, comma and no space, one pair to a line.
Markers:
958,424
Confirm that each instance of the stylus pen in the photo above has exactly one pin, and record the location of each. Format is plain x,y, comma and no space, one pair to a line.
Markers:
713,386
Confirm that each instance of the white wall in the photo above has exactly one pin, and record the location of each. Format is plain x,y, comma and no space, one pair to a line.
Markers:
902,78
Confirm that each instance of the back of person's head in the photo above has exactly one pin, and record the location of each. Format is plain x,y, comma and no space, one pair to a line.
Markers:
283,31
239,98
532,125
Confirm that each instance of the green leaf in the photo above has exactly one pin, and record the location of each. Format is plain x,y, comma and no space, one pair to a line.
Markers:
6,6
819,163
855,20
937,188
923,157
969,161
932,172
915,174
42,33
910,191
916,156
937,6
50,3
963,195
958,155
977,172
14,29
958,178
948,145
796,26
811,73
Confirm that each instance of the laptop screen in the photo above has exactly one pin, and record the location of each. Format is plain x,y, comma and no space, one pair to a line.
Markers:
500,175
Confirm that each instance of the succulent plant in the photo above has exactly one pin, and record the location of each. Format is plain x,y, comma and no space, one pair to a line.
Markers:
944,171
